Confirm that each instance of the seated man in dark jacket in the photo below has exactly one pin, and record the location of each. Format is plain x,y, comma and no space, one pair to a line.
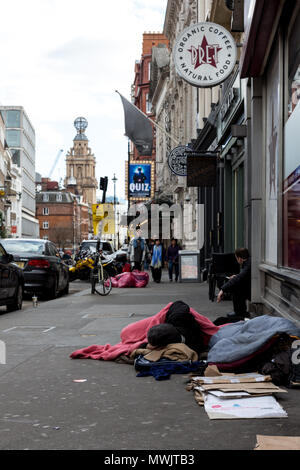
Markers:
239,285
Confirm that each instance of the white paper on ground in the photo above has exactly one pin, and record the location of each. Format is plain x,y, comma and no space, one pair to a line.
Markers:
243,408
218,393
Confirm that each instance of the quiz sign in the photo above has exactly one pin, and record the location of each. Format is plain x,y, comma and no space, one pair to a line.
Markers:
140,180
205,54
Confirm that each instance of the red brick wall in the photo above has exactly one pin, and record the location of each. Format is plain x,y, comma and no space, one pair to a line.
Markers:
65,221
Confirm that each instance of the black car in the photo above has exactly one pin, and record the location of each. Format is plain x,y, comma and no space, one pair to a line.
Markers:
11,282
44,271
90,245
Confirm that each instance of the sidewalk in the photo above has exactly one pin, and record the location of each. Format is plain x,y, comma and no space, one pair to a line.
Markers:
41,406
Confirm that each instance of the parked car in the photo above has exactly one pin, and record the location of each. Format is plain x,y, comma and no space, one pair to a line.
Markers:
11,282
43,269
125,247
90,245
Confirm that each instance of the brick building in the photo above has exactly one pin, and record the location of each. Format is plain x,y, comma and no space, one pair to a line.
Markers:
141,85
62,215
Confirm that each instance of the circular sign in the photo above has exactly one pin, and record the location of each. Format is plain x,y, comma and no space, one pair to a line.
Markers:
205,54
177,160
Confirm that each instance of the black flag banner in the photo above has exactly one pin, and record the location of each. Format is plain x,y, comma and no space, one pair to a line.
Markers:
138,128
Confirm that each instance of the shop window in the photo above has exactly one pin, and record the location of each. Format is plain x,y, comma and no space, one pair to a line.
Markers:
291,170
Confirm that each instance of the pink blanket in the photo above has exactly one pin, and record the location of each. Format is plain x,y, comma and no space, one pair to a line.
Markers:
136,333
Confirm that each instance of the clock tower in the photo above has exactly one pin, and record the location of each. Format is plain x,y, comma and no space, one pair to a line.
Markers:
81,165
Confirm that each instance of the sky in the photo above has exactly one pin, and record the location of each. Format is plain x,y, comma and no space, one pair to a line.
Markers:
64,59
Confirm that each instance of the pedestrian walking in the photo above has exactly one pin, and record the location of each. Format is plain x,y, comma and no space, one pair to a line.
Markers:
138,251
157,261
172,259
239,285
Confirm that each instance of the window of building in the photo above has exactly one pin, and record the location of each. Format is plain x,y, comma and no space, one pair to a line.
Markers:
59,197
16,157
46,211
148,104
13,118
45,225
45,197
291,168
45,237
13,138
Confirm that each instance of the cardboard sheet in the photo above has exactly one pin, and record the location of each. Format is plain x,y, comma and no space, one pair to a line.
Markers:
243,408
277,443
233,378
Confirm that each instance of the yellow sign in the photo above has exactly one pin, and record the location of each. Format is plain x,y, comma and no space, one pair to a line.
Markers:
2,193
104,219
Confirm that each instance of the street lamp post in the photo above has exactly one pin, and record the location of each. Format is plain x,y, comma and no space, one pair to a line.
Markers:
114,181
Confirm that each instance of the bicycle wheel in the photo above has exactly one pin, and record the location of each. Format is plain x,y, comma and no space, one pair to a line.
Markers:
102,286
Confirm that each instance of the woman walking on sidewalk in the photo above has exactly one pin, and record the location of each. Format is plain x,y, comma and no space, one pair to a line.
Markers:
157,261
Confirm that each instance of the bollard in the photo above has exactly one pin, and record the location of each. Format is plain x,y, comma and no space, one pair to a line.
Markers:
35,301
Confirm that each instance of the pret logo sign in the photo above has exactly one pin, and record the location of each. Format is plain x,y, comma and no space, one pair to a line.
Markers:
205,54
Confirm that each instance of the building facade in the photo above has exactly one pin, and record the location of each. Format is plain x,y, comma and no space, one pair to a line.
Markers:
270,65
63,216
180,109
10,189
20,138
251,121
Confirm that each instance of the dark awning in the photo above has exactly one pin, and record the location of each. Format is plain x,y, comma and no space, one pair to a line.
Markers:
259,37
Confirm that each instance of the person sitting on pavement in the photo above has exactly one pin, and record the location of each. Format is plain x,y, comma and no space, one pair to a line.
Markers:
239,285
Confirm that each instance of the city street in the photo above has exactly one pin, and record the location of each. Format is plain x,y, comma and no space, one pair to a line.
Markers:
109,408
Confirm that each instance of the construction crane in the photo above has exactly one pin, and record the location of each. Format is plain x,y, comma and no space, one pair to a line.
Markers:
55,163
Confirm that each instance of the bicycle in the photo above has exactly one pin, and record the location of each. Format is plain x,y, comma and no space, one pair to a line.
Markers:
100,279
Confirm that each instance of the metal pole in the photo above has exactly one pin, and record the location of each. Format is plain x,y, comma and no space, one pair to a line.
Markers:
115,181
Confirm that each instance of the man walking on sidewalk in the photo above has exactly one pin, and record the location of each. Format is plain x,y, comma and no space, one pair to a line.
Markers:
138,251
173,259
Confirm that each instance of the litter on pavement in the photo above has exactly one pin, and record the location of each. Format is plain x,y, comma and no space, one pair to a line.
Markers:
277,443
237,396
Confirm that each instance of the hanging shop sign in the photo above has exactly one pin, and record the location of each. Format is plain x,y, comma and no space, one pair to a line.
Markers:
177,160
202,170
205,54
